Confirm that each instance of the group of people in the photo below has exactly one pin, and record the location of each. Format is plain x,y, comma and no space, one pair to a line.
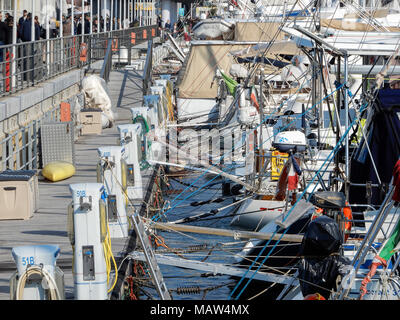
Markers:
96,26
24,27
182,27
176,28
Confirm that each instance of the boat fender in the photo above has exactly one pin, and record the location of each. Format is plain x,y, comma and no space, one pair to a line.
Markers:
58,170
315,296
242,98
348,217
378,261
318,212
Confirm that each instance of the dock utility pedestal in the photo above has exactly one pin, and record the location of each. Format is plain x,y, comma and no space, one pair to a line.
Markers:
112,172
87,231
130,139
37,276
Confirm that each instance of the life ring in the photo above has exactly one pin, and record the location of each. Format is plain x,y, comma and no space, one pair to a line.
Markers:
83,52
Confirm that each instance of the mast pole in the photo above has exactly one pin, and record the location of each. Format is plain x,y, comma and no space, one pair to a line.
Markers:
261,111
346,107
337,124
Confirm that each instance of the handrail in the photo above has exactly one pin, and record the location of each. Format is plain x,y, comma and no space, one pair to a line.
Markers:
30,63
26,64
148,67
107,64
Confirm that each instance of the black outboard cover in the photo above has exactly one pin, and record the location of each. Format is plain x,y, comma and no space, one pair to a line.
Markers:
328,199
322,263
321,238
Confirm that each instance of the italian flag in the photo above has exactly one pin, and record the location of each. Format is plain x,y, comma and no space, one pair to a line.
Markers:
391,245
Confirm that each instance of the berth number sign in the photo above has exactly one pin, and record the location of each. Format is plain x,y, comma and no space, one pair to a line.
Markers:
28,261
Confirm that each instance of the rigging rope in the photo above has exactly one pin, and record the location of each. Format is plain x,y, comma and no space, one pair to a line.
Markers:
331,155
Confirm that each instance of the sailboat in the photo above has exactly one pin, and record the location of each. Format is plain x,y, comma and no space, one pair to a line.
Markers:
325,205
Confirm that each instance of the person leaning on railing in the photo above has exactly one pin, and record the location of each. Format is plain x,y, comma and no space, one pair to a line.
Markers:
3,36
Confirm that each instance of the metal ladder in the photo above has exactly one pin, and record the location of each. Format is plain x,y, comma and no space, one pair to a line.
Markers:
156,276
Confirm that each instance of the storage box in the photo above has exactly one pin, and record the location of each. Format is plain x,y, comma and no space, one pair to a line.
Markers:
91,121
19,194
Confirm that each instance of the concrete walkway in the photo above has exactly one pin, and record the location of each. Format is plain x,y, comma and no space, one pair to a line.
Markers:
49,223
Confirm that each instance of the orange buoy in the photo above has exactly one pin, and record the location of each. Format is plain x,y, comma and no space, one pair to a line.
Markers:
314,296
348,219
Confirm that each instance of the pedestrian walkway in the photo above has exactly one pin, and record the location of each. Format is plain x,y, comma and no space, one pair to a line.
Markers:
49,223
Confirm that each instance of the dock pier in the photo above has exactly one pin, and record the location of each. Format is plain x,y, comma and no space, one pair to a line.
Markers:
48,225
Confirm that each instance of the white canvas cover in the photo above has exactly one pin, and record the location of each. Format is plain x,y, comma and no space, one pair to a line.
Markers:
96,96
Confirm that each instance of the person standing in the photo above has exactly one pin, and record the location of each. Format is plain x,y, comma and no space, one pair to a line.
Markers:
67,26
20,22
26,30
10,23
159,22
26,36
95,25
76,21
168,25
3,36
23,18
87,24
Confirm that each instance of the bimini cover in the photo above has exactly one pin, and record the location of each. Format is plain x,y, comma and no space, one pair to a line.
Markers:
195,79
258,31
383,134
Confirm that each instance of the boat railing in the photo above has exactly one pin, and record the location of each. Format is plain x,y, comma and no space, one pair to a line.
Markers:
370,237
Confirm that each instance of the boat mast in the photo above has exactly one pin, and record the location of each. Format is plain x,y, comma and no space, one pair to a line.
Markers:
337,124
346,107
261,111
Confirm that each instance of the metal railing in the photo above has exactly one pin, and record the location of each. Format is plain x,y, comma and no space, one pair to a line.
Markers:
147,72
27,64
107,64
20,150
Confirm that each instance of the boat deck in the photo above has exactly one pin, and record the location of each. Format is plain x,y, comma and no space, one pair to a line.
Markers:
49,223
